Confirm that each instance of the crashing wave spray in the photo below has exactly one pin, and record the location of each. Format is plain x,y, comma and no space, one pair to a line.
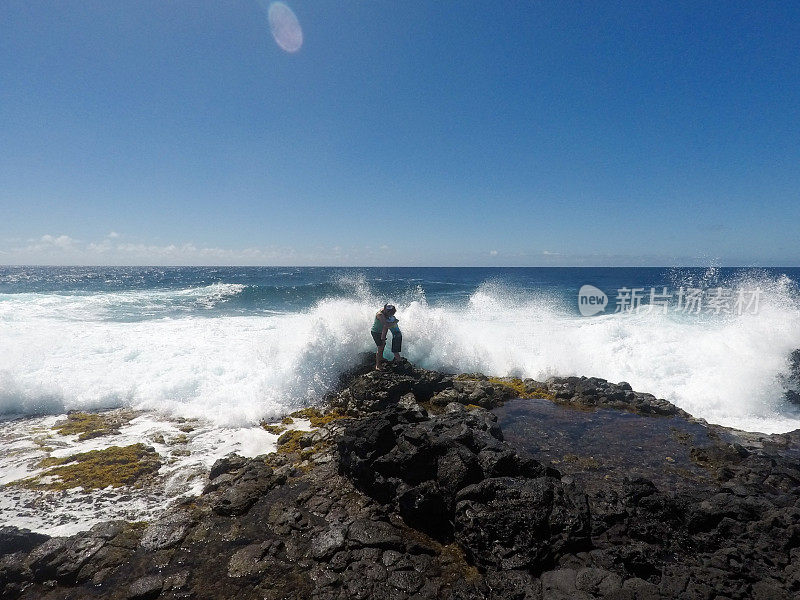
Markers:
64,352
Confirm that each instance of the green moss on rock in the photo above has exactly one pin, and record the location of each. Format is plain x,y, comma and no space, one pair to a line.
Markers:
520,388
114,466
91,425
317,417
289,441
588,463
273,429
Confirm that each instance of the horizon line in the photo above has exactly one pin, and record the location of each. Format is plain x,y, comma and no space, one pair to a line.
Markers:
245,266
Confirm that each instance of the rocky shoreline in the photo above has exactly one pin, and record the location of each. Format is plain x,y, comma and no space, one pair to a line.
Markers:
411,490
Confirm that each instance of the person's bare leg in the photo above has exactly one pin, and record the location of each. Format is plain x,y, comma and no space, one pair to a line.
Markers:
379,358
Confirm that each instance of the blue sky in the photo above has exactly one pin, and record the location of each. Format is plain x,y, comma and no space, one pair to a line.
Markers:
400,133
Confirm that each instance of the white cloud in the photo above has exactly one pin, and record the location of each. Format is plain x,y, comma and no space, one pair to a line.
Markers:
493,253
47,245
191,253
62,241
99,247
64,250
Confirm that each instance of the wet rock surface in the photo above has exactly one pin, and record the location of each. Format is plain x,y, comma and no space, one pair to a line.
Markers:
417,494
792,383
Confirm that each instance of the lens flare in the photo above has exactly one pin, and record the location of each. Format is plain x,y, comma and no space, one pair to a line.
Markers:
285,27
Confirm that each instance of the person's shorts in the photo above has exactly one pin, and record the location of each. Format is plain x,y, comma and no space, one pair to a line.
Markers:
377,338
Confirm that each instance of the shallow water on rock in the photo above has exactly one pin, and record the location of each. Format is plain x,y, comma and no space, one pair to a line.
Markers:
594,446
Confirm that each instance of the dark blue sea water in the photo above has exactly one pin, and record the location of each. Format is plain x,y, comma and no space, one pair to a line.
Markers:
298,288
236,343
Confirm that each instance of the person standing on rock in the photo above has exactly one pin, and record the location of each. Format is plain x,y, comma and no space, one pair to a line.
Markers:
386,321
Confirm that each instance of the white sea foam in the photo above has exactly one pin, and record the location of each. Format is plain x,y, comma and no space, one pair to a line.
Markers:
62,352
113,305
728,370
187,450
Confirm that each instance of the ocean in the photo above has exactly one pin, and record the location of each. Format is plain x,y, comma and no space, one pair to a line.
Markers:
235,345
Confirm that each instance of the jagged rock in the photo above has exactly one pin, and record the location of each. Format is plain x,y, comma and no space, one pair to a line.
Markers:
61,558
406,504
166,532
597,582
446,397
514,523
427,465
329,541
226,464
245,487
15,575
146,588
792,382
427,383
250,560
14,540
593,392
374,534
373,392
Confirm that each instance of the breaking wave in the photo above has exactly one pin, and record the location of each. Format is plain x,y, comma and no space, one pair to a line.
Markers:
168,350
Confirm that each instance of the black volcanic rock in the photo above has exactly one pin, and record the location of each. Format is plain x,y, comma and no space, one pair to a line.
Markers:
18,540
422,464
418,495
507,523
593,392
792,382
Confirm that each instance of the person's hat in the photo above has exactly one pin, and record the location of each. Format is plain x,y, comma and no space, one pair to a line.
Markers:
389,308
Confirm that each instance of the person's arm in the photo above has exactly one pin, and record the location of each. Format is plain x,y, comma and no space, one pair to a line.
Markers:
382,318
